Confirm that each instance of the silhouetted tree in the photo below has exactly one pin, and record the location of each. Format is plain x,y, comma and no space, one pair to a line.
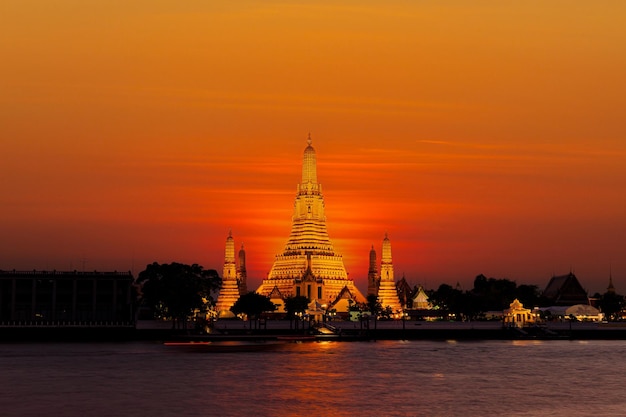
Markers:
252,305
468,305
177,290
528,295
611,304
374,307
294,305
493,294
386,313
448,299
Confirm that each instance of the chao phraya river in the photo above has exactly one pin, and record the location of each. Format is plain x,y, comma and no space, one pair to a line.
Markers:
383,378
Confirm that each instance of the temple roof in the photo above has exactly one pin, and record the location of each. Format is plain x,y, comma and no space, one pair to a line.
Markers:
565,290
275,294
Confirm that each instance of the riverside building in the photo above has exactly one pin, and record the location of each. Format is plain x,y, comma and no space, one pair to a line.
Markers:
66,298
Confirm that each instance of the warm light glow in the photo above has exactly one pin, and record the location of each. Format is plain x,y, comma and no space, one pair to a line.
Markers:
308,265
485,137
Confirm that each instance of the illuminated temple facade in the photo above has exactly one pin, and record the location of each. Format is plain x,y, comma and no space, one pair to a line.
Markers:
309,265
230,289
387,292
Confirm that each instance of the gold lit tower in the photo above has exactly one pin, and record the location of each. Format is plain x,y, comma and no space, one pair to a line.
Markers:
309,265
387,293
229,291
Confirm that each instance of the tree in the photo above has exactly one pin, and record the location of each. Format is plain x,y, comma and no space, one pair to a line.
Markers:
294,305
374,306
449,299
252,305
175,291
528,295
611,304
386,313
493,294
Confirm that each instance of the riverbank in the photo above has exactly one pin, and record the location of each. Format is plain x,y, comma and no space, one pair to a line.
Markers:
336,331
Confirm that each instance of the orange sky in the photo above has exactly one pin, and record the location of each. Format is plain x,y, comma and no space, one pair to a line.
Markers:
485,136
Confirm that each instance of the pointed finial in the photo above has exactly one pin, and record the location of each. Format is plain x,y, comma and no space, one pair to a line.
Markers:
230,232
309,141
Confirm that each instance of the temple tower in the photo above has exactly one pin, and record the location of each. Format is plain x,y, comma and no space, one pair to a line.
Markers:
387,293
229,291
611,288
372,274
308,265
242,275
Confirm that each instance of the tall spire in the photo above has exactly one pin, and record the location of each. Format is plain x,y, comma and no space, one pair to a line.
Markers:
611,287
309,251
229,257
242,274
309,165
229,291
386,257
387,292
373,267
372,274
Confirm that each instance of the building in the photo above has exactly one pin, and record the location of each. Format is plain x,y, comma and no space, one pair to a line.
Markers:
229,291
309,265
387,292
66,298
242,274
372,274
405,293
565,290
518,316
580,312
420,300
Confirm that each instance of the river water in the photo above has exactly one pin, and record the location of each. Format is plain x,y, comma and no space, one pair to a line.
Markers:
383,378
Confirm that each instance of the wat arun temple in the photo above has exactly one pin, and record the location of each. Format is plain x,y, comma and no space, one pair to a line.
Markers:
309,265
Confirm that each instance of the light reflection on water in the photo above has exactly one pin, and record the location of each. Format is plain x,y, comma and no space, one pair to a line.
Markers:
384,378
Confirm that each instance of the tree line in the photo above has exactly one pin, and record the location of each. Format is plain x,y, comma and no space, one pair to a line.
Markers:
178,291
493,294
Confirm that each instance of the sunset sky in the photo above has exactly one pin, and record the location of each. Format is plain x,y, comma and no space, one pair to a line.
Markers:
483,136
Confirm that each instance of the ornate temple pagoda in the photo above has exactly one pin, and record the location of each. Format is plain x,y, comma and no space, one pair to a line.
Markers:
309,265
385,285
232,284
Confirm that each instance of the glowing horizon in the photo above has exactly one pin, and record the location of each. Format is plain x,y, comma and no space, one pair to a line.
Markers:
485,137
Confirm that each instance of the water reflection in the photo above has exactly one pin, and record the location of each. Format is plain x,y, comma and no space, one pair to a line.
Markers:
389,378
526,342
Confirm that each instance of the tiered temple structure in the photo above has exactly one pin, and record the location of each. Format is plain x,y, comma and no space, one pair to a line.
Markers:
309,265
229,292
387,292
565,290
